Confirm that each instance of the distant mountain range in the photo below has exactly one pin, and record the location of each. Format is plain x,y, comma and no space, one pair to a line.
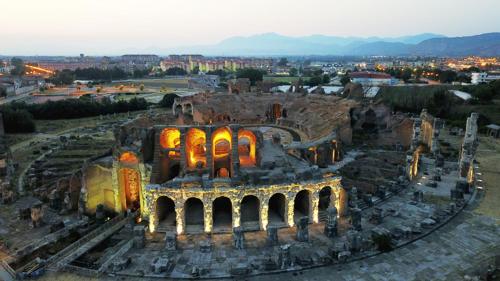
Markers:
426,44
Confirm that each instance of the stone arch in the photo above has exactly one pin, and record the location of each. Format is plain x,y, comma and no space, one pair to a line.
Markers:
177,110
170,159
250,212
370,122
130,180
326,200
221,152
302,205
277,209
194,215
222,214
196,148
276,111
247,148
165,213
187,108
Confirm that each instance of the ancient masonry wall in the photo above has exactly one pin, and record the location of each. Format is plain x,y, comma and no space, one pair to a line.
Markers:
153,192
469,148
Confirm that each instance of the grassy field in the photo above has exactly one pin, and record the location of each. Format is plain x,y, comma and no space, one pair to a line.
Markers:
488,156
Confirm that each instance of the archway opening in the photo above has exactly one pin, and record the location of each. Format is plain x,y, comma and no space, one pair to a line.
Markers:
221,151
301,205
170,138
276,111
246,148
165,212
193,215
195,148
325,201
370,123
130,180
276,210
249,218
222,215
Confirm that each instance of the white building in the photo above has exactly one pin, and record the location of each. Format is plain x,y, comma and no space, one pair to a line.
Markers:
483,77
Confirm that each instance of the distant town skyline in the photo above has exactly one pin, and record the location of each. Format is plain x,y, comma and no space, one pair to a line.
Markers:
114,27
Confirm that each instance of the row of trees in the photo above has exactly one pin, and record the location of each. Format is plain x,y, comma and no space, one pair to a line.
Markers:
19,116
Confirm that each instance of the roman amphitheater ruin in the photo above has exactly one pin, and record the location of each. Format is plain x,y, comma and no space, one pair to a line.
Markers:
236,184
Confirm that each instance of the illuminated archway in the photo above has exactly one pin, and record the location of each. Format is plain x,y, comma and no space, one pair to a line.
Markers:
221,152
129,179
246,148
170,138
196,148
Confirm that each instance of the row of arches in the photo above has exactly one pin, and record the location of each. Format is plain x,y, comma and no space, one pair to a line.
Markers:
250,213
219,147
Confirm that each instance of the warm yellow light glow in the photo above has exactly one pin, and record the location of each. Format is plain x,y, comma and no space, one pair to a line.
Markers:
221,143
195,147
129,158
170,138
246,148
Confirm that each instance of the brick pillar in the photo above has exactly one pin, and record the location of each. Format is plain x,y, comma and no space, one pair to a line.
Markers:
183,160
208,146
235,159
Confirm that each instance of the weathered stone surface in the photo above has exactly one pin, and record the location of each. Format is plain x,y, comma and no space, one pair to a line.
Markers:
303,229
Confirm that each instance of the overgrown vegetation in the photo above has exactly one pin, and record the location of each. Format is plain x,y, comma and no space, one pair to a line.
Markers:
443,104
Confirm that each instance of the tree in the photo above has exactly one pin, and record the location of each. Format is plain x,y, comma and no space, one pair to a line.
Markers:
64,77
251,73
3,92
168,100
345,79
175,71
195,70
326,79
283,62
484,93
19,67
293,71
17,120
447,76
406,74
314,81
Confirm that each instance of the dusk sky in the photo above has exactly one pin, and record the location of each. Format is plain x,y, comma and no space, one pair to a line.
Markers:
107,27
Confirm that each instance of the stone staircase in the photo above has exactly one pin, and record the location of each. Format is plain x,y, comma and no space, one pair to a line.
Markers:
84,244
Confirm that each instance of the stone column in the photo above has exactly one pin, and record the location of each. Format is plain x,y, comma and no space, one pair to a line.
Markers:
289,210
183,160
238,238
179,217
303,229
235,159
315,207
356,218
264,209
236,212
207,215
272,236
331,223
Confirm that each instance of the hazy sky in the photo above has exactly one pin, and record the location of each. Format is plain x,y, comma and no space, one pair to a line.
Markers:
100,27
